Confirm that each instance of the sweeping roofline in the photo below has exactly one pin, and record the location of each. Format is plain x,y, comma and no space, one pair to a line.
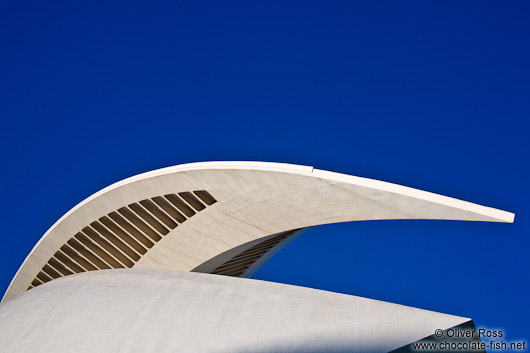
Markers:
502,216
480,212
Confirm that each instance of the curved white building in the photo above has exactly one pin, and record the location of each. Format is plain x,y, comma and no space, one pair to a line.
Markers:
224,218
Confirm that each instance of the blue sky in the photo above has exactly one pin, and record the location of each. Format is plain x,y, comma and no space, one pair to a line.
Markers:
433,95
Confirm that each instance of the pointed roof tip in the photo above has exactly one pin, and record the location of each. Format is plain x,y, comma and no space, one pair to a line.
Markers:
468,211
495,215
489,214
510,217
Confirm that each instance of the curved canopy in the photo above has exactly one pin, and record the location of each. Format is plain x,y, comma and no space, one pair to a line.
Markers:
219,217
172,311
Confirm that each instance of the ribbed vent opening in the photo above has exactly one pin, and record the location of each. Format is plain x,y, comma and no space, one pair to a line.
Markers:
117,242
99,256
133,242
120,238
158,213
147,218
205,197
50,272
36,282
192,200
170,210
141,225
43,277
108,252
59,267
180,204
68,262
131,229
77,259
239,264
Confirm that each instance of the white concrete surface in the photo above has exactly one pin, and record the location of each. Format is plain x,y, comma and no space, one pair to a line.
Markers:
131,310
255,199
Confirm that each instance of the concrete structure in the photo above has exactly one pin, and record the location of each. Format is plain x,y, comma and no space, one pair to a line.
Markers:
160,311
223,218
193,216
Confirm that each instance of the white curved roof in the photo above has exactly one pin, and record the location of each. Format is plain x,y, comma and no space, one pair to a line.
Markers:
171,311
193,215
